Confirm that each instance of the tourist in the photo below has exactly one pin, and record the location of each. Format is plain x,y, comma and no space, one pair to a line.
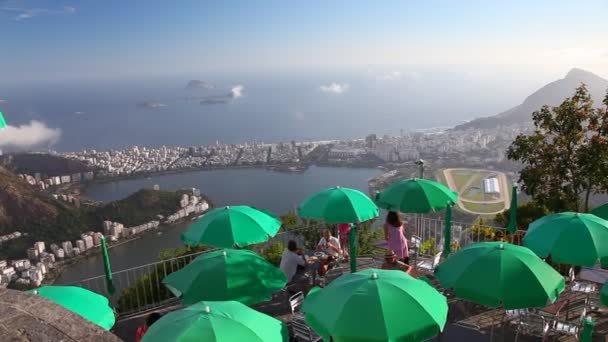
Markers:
344,229
291,259
142,329
393,233
329,244
292,264
391,263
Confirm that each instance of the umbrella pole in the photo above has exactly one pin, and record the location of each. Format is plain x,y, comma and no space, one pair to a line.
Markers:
352,241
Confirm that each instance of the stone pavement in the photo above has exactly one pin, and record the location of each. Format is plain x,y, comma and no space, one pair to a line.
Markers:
30,318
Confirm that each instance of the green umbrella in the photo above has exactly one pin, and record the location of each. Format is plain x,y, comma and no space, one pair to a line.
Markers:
227,274
415,195
2,121
512,227
376,305
338,205
447,236
495,273
107,267
601,211
217,322
232,226
85,303
570,238
604,294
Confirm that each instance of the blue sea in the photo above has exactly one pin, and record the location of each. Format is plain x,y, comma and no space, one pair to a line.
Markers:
274,106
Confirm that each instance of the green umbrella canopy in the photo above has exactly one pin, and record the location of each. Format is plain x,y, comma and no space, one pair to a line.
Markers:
2,121
371,305
604,294
601,211
229,274
85,303
495,273
229,226
217,322
415,195
338,205
570,238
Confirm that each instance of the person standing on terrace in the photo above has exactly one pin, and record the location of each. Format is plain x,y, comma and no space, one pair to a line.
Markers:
344,229
393,233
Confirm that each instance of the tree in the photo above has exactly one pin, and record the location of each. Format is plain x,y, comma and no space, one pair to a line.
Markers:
526,214
564,158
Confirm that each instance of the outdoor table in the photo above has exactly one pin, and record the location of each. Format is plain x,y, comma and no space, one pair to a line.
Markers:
314,265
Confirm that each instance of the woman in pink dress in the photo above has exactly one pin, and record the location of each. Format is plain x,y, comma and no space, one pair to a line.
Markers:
393,233
344,229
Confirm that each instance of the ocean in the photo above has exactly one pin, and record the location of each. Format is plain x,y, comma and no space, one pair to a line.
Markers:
272,107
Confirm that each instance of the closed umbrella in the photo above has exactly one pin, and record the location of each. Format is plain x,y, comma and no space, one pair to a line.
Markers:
604,294
447,235
416,195
2,121
107,267
338,205
229,274
497,273
217,322
85,303
232,226
370,306
570,238
512,227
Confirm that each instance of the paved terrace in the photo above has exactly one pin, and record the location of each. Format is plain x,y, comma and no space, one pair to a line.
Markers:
466,321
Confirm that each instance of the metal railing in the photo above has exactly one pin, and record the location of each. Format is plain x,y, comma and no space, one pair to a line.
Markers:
140,289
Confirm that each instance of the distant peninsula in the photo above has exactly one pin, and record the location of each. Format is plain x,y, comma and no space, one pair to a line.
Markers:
150,105
198,84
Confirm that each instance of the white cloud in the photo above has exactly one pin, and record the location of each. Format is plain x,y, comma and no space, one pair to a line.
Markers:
237,91
391,76
398,76
27,136
298,115
22,13
335,88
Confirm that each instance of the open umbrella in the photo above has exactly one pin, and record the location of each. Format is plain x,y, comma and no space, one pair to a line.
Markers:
370,306
232,226
570,238
497,273
85,303
217,322
338,205
229,274
601,211
415,195
2,121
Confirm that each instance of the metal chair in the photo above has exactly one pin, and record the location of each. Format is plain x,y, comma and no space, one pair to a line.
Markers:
331,275
429,264
533,324
566,328
295,302
302,332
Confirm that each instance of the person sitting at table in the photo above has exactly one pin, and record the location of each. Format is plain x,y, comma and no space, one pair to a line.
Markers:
290,260
331,246
392,263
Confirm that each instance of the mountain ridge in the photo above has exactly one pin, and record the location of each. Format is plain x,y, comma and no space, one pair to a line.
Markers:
551,94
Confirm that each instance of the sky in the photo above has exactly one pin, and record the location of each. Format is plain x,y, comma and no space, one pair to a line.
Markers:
66,39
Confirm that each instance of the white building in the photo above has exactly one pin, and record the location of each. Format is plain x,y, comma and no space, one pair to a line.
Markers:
490,185
40,247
